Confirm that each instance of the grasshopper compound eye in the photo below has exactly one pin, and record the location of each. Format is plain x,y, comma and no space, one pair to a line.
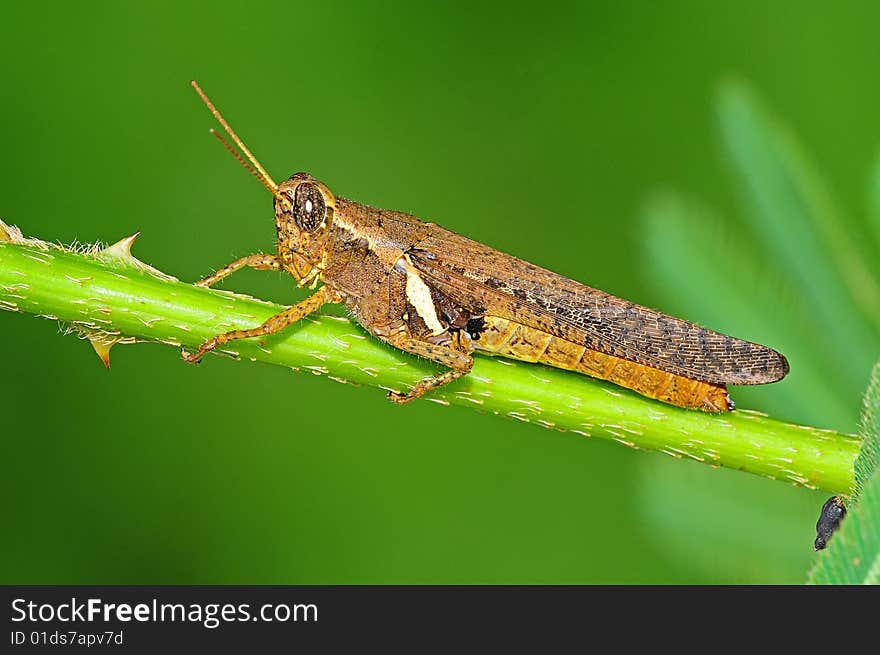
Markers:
309,208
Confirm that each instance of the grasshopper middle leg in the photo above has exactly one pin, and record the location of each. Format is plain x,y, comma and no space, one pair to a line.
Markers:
274,324
459,363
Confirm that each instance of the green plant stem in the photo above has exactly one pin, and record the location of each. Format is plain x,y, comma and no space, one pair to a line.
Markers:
110,297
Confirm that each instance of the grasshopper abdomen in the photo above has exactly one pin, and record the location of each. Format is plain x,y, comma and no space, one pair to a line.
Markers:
517,341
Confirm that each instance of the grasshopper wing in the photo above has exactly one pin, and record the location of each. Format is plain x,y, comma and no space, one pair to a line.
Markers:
493,283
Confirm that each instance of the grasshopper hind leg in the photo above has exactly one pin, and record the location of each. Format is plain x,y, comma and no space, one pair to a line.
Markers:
460,364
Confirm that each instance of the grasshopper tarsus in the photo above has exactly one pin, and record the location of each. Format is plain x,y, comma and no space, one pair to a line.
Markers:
188,357
401,398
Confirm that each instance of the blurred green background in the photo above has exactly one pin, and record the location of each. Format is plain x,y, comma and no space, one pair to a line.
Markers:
546,131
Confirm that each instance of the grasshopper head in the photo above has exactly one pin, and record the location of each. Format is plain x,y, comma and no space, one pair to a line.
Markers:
304,209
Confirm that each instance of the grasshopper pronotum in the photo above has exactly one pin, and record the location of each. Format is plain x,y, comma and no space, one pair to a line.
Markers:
439,295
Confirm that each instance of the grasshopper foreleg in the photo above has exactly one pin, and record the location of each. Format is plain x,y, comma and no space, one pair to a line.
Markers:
259,261
460,363
274,324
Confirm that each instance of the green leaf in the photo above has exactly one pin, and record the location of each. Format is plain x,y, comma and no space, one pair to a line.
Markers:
874,200
853,554
791,212
869,453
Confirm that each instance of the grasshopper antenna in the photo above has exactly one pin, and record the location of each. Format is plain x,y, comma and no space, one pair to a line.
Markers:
257,169
272,190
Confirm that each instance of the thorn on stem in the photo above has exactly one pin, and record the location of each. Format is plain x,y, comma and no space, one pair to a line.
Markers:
102,348
122,248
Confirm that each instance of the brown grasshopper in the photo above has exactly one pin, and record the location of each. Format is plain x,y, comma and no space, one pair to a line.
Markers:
441,296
